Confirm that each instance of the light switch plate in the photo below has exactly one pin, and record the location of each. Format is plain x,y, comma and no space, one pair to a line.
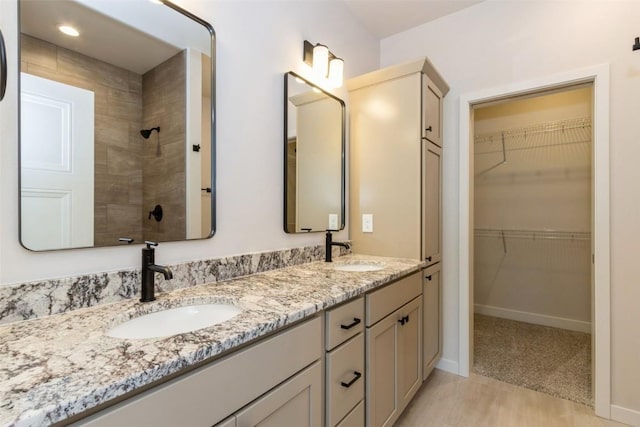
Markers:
367,223
333,221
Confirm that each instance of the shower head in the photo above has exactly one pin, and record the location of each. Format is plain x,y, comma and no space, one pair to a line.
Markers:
146,132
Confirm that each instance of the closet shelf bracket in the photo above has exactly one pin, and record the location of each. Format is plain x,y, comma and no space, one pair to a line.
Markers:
504,159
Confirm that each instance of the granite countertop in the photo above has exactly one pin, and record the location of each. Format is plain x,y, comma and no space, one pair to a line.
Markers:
61,365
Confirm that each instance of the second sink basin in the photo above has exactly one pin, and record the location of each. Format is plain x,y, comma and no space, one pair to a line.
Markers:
174,321
362,266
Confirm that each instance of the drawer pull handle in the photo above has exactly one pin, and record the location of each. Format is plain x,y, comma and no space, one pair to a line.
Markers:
428,277
356,377
352,324
3,67
428,258
429,129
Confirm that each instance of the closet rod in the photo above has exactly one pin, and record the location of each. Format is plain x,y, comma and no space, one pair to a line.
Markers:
541,128
532,234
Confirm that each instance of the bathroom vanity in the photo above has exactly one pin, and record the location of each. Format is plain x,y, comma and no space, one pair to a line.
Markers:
297,350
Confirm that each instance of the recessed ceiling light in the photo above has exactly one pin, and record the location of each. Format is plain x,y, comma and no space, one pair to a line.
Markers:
70,31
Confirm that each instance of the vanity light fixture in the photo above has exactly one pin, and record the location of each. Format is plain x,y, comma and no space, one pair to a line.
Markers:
326,66
320,60
336,69
68,30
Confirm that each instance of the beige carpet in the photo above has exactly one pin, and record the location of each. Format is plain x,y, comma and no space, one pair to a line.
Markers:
550,360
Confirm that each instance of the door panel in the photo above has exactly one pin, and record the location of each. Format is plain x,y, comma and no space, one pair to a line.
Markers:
432,203
432,306
297,402
381,402
410,352
56,159
432,112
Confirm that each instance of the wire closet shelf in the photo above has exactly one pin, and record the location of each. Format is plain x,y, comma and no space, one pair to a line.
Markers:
505,234
561,132
532,234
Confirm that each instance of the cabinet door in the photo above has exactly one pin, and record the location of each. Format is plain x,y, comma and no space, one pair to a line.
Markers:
297,402
229,422
355,417
381,401
431,112
432,326
409,352
431,203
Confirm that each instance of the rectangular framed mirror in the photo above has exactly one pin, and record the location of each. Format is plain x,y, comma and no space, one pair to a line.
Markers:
117,132
314,157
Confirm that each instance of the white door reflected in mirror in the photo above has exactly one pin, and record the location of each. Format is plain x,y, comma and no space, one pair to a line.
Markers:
57,164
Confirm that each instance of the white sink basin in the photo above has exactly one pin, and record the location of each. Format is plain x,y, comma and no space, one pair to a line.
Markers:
174,321
359,267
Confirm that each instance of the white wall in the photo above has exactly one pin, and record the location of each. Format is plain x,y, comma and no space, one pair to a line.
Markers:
495,43
257,43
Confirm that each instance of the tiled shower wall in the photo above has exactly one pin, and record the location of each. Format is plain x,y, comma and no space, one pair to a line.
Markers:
118,147
164,105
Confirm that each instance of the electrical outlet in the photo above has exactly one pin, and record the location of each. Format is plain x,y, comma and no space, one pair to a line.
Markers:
367,223
333,221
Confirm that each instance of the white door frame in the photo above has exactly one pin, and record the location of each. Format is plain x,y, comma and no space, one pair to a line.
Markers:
599,76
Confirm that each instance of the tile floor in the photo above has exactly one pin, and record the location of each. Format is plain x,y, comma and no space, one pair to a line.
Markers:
447,400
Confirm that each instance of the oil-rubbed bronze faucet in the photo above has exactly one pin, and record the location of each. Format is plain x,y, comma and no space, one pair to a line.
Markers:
149,268
329,243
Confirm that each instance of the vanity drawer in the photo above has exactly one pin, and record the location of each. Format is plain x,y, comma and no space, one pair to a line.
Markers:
384,301
345,378
344,322
355,417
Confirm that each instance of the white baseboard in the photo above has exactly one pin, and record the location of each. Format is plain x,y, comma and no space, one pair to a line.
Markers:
448,365
624,415
535,318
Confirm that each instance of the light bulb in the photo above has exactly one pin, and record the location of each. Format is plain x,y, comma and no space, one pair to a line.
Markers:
70,31
320,60
336,69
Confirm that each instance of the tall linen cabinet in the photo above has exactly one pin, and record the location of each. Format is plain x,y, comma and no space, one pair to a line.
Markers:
395,176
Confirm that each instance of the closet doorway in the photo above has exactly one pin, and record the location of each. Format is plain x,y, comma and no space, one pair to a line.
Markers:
532,241
598,77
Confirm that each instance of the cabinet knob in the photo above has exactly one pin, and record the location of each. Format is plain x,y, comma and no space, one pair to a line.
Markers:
428,277
427,258
352,324
356,377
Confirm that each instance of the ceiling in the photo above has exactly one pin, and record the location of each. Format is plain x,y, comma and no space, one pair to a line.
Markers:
386,17
101,37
